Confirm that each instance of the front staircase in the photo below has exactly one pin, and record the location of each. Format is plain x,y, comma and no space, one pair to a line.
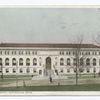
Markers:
48,74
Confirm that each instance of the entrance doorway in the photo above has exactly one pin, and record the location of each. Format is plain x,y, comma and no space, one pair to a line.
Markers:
48,63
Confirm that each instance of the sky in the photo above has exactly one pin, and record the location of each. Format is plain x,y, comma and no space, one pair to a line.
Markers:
48,25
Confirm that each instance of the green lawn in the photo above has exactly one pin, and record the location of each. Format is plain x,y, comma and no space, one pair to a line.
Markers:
85,87
12,78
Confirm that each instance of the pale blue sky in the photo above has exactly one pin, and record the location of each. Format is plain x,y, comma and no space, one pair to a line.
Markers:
53,25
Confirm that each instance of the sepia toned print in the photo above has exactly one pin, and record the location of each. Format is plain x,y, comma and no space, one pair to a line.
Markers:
49,49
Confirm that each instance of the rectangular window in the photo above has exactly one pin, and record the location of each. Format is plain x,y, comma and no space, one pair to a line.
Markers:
68,70
7,70
66,53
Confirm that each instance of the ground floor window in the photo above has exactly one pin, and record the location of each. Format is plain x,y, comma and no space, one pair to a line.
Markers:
7,70
40,72
27,70
14,70
56,71
88,70
61,70
75,70
34,70
21,70
81,70
68,70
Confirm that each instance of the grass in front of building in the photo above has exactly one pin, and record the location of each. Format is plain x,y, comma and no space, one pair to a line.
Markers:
7,79
82,76
83,87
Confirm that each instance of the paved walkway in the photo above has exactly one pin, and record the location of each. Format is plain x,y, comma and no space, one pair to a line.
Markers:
55,82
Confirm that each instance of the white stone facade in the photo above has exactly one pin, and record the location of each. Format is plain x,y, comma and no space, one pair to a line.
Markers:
38,61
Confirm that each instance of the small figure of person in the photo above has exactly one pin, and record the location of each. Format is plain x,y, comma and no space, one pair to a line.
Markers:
50,79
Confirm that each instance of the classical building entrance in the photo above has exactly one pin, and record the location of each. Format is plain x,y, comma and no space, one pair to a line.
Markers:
48,63
48,69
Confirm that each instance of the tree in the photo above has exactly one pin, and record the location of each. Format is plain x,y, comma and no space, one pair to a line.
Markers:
79,59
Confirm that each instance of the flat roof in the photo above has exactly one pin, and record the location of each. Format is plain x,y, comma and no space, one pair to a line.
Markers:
48,45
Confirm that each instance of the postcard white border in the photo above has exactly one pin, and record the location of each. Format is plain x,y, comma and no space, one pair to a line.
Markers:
50,93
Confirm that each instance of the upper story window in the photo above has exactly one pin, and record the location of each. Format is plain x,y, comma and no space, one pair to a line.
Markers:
87,62
81,62
34,61
94,53
74,61
7,61
67,53
7,52
27,62
21,61
13,52
27,52
20,52
68,61
35,52
86,53
14,62
73,53
82,52
94,62
0,61
61,52
89,53
61,61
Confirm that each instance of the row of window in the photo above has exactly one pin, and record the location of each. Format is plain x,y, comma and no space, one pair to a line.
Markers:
14,70
21,70
14,52
88,62
14,62
81,62
81,53
21,52
74,70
